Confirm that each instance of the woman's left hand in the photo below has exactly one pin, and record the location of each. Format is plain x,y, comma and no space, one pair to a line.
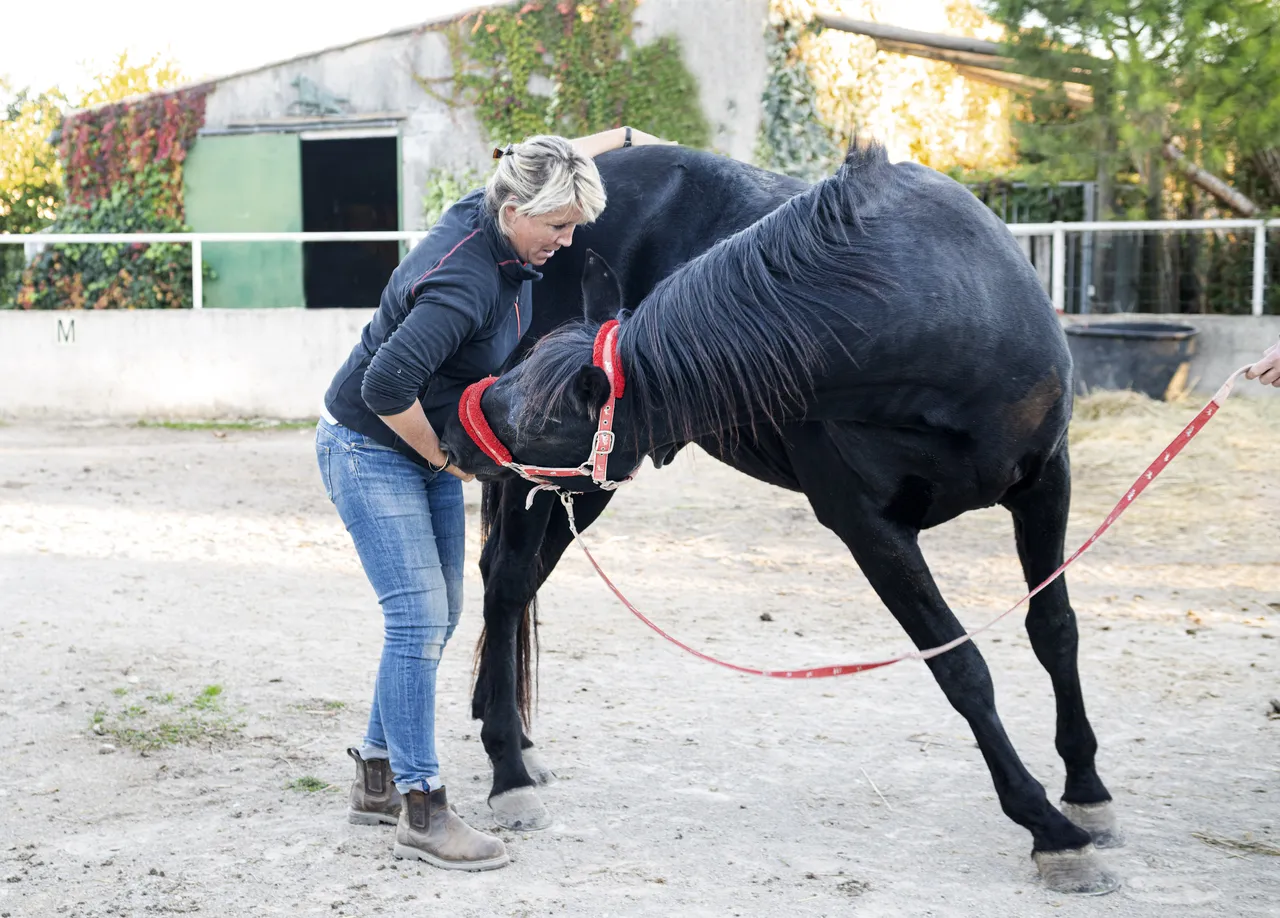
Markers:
458,473
1268,368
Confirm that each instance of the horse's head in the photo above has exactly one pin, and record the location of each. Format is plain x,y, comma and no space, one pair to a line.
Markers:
546,411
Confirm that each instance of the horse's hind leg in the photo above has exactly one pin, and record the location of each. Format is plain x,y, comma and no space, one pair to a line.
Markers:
1039,523
888,551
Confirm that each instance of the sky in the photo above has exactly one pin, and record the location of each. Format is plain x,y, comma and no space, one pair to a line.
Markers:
205,39
215,38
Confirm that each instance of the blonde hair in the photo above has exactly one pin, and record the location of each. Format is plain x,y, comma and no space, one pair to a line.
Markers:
543,174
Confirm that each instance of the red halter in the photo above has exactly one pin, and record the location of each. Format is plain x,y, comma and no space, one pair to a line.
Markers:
605,356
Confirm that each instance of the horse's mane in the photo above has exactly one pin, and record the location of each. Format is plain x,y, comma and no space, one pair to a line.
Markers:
733,336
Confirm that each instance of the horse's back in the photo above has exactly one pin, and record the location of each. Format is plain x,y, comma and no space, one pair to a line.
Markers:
666,205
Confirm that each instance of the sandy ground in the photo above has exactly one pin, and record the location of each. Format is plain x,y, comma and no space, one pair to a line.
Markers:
141,567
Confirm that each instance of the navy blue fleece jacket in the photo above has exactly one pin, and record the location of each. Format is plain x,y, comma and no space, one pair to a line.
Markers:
451,314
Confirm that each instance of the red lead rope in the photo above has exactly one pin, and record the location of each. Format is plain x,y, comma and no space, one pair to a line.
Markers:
847,669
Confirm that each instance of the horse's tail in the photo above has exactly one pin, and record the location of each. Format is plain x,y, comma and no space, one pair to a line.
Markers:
526,632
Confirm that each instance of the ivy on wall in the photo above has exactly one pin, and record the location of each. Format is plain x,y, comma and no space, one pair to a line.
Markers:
794,140
105,146
443,188
123,168
569,68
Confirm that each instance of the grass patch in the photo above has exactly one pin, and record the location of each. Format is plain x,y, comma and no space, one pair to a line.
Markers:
202,720
308,784
231,424
319,706
207,700
183,732
120,692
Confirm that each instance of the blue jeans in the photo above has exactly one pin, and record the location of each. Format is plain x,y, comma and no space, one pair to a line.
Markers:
408,526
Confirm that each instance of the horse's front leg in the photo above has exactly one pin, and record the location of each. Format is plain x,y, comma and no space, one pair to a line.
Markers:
508,564
523,548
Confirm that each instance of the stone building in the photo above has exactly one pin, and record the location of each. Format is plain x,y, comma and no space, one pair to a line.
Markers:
344,138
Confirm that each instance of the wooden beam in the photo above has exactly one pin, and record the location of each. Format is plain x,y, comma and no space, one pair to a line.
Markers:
910,36
989,61
1238,202
1081,65
1078,95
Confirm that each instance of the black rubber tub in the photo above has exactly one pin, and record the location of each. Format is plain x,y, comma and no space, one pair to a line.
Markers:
1142,356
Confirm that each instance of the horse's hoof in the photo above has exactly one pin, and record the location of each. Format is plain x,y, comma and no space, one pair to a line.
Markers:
1076,870
519,808
538,770
1098,819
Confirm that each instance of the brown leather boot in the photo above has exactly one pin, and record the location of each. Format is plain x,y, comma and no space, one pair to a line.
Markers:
374,798
431,831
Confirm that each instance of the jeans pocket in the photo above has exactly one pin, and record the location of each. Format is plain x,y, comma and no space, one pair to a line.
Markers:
323,455
360,441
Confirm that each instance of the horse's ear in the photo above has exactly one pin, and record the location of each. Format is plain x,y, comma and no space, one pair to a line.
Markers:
589,390
601,295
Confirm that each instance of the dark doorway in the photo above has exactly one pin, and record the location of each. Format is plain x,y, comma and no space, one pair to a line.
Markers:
348,185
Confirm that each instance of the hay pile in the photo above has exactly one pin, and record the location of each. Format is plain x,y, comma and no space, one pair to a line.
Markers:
1224,485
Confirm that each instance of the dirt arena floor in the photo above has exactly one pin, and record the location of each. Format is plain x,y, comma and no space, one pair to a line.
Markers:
187,645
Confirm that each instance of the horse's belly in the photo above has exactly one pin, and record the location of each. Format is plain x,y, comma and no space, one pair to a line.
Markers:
763,457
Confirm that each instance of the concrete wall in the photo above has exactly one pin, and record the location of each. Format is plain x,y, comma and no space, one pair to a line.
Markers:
722,42
1225,344
278,362
723,46
375,77
124,365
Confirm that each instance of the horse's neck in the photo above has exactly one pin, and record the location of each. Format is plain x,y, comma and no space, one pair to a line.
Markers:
733,402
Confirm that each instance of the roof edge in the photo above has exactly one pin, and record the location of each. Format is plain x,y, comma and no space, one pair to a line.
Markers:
214,81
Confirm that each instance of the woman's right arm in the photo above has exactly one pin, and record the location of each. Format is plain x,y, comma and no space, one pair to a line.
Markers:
442,319
594,144
412,426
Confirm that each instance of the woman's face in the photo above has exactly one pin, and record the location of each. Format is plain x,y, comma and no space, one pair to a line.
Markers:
536,238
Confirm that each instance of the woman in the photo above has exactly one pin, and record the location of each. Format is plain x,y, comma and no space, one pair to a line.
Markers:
452,312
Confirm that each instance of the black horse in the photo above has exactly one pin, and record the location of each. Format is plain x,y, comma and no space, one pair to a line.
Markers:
880,343
666,205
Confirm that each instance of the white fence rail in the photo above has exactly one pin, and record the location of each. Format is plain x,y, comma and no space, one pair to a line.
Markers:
1056,232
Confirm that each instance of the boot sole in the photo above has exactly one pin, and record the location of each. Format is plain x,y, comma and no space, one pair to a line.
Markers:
358,818
492,863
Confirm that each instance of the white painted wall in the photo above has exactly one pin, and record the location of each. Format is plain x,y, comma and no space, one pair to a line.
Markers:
375,76
722,42
277,363
723,46
124,365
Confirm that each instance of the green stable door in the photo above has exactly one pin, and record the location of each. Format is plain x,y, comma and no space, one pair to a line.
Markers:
247,183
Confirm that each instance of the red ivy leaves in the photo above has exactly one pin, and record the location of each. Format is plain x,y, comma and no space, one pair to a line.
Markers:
113,143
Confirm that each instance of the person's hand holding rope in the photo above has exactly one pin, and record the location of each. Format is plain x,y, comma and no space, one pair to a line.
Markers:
1267,370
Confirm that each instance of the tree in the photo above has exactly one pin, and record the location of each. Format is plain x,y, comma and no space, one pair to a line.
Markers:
123,78
32,191
1202,74
30,175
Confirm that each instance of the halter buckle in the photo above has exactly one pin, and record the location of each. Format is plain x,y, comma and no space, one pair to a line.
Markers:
602,442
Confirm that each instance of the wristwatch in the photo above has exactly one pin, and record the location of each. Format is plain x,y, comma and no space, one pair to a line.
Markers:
626,136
